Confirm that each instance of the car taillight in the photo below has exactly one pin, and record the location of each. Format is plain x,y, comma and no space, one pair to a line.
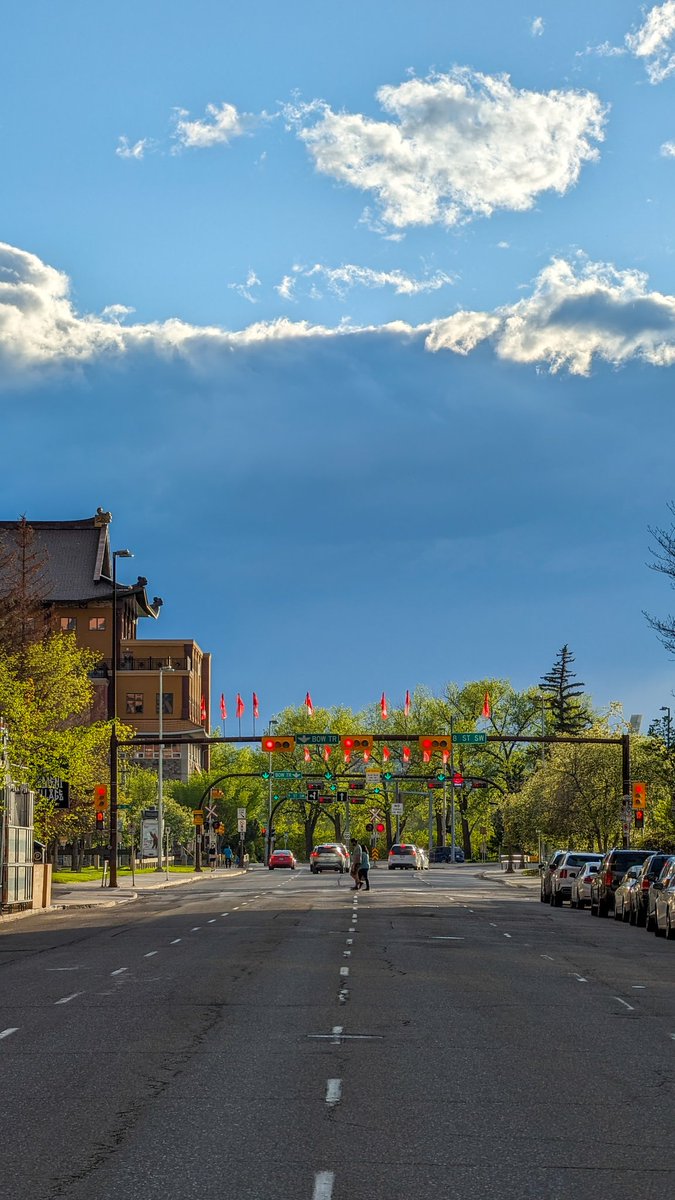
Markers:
563,874
646,884
608,878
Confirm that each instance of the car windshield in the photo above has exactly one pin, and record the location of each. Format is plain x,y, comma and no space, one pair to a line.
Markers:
402,850
577,860
626,858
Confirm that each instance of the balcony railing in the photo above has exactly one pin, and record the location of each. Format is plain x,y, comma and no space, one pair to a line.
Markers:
129,663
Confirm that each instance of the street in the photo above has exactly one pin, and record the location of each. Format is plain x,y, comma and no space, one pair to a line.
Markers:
277,1034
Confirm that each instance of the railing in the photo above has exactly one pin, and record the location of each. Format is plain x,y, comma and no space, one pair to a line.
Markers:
128,663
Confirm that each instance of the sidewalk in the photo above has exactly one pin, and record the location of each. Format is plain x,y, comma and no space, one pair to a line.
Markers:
92,895
518,880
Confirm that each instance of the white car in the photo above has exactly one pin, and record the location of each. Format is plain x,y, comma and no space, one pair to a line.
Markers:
580,894
404,856
329,856
566,872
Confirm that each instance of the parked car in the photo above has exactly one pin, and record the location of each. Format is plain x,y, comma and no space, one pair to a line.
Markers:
281,858
664,900
330,856
443,854
612,870
580,895
547,868
403,856
641,898
566,872
623,896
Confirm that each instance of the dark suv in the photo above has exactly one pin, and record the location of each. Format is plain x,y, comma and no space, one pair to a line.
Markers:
610,873
639,913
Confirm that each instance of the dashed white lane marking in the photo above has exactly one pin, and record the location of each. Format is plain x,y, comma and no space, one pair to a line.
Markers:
344,971
195,928
14,1029
492,923
62,968
351,929
625,1004
580,978
150,954
333,1091
323,1185
119,971
508,935
349,942
225,914
639,987
548,956
67,999
346,953
337,1030
448,937
212,921
175,941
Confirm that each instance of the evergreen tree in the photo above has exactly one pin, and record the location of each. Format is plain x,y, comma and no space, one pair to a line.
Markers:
569,712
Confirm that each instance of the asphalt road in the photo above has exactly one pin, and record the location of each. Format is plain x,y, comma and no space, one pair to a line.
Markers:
277,1035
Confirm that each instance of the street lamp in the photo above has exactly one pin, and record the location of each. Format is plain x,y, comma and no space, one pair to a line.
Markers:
666,710
113,732
160,771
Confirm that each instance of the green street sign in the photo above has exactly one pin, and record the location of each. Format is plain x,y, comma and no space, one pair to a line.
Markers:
317,739
469,739
286,774
297,796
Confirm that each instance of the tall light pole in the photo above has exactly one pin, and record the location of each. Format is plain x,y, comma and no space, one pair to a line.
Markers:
160,771
113,732
666,710
272,722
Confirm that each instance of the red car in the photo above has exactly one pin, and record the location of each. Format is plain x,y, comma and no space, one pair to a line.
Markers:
281,858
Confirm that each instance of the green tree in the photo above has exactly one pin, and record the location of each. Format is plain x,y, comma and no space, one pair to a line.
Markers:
569,711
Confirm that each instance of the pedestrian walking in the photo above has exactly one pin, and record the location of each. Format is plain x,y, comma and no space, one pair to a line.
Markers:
212,857
227,854
364,868
356,853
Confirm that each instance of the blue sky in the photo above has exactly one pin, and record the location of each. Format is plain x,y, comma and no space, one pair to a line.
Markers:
361,321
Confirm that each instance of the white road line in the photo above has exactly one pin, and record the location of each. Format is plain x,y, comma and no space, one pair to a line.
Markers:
344,971
346,953
508,935
625,1004
448,937
67,999
333,1091
337,1030
548,956
14,1029
195,928
225,914
351,929
349,942
119,971
492,923
323,1185
639,987
175,941
150,954
212,921
580,978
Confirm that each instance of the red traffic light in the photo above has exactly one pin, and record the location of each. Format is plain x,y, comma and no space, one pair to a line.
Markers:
99,820
379,827
457,779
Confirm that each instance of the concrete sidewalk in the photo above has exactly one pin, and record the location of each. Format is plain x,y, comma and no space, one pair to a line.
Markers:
528,883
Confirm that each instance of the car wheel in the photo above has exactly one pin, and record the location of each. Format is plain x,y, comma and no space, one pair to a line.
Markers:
271,868
640,917
603,909
557,902
573,902
581,903
632,916
542,896
670,932
649,923
618,916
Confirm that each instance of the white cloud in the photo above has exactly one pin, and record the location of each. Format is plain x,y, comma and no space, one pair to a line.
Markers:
575,312
654,41
246,289
457,146
604,50
537,27
137,151
573,315
668,149
286,288
217,129
117,312
341,279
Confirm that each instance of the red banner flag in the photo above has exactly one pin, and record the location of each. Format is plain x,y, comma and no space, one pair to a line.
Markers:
386,754
406,706
241,707
486,706
383,707
326,753
223,706
256,710
203,710
309,706
308,754
446,756
406,753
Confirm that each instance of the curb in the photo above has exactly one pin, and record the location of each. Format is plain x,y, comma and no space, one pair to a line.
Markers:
523,887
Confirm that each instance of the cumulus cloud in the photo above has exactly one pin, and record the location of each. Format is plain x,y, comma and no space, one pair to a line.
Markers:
574,314
218,128
286,288
137,151
455,146
654,41
668,149
537,27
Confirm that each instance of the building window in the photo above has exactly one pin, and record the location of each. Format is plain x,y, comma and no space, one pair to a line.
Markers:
68,624
134,702
167,703
97,624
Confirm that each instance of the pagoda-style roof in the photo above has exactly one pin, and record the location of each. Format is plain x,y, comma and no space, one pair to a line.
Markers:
76,562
